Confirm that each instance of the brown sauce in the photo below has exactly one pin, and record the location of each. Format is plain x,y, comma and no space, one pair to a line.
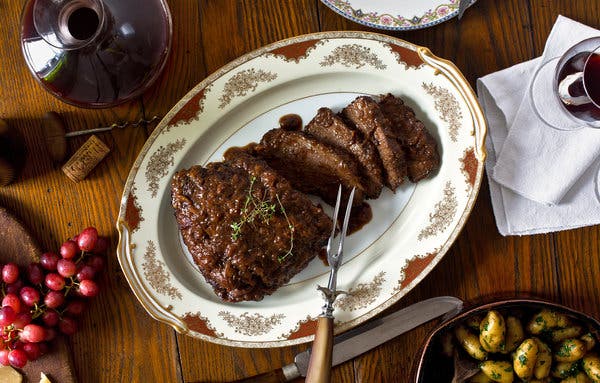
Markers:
323,256
359,216
248,148
290,121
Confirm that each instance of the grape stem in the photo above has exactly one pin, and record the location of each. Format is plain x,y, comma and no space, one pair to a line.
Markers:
83,254
38,310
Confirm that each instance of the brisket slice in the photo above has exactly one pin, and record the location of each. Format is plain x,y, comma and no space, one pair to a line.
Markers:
418,144
310,165
330,129
366,116
255,262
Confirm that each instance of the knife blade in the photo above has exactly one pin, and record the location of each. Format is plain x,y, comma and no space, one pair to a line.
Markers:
462,7
368,336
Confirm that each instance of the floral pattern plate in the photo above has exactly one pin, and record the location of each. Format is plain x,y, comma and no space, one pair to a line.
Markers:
396,15
410,231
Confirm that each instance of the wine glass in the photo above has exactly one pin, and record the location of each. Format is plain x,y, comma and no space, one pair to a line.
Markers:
565,91
96,53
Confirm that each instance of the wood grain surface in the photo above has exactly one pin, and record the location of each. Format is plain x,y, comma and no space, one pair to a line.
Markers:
119,342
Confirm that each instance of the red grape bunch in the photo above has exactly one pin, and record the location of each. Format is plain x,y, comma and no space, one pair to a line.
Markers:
46,297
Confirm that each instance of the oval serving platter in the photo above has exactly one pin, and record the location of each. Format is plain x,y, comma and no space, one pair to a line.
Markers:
410,232
396,15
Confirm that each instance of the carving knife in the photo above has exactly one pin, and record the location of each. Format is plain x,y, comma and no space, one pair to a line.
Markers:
367,336
462,7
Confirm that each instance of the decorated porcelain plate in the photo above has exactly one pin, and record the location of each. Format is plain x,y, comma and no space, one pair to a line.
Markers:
396,14
409,233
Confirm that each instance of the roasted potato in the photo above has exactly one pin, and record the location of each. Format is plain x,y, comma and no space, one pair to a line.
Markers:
566,333
581,377
514,334
543,362
569,350
492,332
470,342
524,358
591,366
564,369
480,377
499,371
547,320
548,347
589,340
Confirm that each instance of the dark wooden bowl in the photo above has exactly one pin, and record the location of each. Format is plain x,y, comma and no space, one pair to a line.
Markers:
431,366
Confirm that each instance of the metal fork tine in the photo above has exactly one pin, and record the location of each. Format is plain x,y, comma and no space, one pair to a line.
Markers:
346,220
335,215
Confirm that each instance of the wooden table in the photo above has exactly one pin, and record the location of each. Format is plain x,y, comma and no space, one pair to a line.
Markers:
119,342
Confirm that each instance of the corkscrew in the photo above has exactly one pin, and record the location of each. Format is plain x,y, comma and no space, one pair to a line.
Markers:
112,126
56,137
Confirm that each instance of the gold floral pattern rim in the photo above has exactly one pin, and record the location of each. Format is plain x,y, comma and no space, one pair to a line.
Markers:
396,15
170,292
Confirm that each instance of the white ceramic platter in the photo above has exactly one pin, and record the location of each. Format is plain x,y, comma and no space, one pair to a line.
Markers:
396,15
410,231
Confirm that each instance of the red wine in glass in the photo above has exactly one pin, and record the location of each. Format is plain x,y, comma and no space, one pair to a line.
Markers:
591,78
565,90
580,78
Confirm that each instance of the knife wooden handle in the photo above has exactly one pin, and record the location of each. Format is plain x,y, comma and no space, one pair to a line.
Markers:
275,376
319,366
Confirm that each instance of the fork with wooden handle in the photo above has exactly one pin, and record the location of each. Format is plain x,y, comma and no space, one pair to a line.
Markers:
319,366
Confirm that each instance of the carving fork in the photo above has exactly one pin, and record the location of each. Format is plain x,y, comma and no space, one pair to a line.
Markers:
319,366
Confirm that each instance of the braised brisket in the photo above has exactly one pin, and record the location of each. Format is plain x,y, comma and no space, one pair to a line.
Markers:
364,114
420,147
246,220
247,229
329,128
310,165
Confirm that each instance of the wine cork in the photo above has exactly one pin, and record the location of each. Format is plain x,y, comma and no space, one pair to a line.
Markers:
85,159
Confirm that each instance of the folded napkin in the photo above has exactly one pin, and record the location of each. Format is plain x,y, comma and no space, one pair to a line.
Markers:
531,156
536,161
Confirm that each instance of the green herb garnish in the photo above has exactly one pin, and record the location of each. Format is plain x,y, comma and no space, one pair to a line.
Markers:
252,209
291,227
261,210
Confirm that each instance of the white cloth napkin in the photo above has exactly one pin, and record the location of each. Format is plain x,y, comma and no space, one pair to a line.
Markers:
503,99
537,161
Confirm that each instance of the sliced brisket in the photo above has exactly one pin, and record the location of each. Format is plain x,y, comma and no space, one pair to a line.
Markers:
327,127
310,165
366,116
418,144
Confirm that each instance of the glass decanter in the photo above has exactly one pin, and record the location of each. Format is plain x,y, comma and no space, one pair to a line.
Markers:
96,53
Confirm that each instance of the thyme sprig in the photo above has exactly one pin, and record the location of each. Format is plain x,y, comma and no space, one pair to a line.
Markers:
253,209
281,258
263,211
